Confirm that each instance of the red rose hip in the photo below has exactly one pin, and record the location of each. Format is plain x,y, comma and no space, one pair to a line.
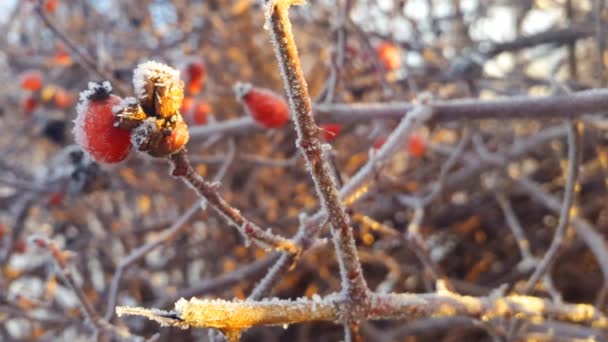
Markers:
94,128
266,107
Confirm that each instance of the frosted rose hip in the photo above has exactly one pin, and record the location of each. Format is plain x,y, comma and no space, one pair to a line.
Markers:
265,106
94,128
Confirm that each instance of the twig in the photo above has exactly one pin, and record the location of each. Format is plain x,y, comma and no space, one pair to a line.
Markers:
584,229
134,256
600,35
351,192
568,106
518,232
235,316
209,192
222,282
296,88
60,258
564,215
379,158
337,64
574,105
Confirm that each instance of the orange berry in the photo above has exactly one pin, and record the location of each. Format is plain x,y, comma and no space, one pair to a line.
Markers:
95,129
390,55
330,131
51,5
62,98
416,146
187,105
175,141
266,107
29,104
31,80
62,57
200,113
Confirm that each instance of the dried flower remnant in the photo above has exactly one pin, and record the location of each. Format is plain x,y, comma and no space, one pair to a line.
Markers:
158,89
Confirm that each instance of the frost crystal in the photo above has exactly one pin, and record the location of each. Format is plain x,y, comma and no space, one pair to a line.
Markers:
141,134
124,103
241,89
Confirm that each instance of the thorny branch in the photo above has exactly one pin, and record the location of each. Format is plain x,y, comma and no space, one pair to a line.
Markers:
301,109
209,192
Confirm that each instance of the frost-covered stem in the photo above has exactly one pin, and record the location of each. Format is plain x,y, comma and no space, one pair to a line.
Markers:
350,191
573,105
209,192
564,214
307,233
134,256
568,106
301,109
236,316
518,232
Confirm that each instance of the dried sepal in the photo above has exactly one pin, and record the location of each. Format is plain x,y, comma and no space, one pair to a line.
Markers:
160,137
158,88
129,114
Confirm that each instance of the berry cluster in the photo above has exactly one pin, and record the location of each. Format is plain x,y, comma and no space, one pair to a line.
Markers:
107,126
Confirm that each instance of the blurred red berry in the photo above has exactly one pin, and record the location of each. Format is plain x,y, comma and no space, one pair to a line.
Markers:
196,74
390,55
20,246
267,108
200,113
55,199
31,80
94,128
416,146
330,131
379,142
29,104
